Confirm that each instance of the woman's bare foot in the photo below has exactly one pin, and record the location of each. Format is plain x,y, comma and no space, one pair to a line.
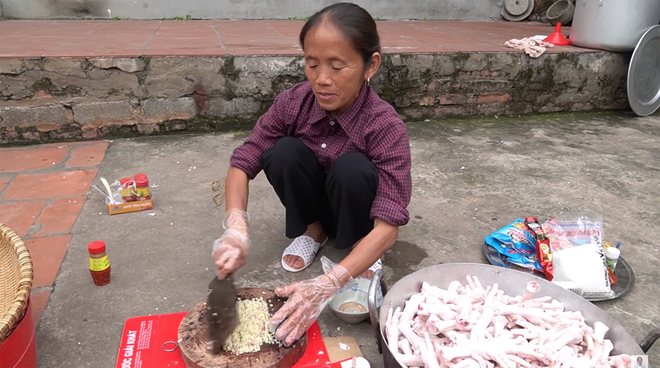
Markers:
315,231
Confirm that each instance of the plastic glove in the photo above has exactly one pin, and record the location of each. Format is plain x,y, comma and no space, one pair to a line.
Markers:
307,299
230,251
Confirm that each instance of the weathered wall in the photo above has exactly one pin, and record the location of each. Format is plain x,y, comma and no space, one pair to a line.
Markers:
540,7
246,9
56,99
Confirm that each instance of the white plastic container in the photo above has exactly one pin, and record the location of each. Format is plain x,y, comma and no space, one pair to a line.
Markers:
612,257
612,25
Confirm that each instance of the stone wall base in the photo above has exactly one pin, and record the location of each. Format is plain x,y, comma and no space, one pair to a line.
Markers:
46,100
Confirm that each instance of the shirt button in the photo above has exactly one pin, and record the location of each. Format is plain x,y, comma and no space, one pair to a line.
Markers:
332,122
323,145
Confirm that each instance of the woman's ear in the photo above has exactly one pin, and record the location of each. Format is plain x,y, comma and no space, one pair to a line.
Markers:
373,66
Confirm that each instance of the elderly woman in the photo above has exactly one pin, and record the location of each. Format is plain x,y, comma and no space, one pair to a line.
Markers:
338,158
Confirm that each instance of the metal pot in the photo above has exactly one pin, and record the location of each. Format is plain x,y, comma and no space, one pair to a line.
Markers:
512,283
612,25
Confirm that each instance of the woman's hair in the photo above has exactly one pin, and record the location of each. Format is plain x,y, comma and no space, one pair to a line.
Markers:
354,22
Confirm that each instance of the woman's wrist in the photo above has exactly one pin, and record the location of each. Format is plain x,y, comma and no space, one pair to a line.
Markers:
238,220
339,276
244,231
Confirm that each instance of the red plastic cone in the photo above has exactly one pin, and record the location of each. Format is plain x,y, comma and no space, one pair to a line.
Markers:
556,38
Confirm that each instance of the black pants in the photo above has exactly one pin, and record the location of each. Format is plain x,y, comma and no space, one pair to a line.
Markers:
340,199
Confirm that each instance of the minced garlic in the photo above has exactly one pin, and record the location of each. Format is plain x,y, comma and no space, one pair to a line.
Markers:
252,330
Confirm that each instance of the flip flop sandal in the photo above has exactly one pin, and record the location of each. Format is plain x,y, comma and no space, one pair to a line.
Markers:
304,247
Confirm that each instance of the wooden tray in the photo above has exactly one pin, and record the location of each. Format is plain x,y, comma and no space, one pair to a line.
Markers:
194,341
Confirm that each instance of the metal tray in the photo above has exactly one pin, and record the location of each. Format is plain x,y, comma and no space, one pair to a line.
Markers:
643,77
623,272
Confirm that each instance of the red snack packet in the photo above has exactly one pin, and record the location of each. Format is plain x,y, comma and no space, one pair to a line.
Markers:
543,252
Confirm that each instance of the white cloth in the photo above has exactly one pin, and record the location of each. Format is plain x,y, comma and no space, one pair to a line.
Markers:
530,45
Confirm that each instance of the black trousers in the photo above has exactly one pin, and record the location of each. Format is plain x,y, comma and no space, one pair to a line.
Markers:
340,199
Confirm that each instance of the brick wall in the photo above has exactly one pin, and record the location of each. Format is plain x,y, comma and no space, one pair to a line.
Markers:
64,99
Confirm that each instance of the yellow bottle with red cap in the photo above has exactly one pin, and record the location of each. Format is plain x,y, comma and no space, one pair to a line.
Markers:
99,265
142,187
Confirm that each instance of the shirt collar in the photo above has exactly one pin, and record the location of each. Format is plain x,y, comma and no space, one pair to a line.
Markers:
317,113
348,119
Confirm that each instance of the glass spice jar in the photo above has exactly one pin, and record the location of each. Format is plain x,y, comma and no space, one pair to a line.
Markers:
142,187
99,265
127,190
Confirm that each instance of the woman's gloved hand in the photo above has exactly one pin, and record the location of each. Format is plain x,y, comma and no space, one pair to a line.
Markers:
230,251
307,299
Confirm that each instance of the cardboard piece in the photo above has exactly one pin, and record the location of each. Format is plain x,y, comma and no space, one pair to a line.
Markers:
145,339
345,352
126,207
130,189
342,348
151,341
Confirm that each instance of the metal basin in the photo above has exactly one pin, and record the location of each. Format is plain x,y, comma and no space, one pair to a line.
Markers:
512,283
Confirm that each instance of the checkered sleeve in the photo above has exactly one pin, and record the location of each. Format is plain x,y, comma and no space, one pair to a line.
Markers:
390,153
270,127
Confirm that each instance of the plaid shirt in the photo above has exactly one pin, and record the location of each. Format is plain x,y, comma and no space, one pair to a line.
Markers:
370,126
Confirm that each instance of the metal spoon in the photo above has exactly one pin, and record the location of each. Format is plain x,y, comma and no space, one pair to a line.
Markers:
97,188
107,186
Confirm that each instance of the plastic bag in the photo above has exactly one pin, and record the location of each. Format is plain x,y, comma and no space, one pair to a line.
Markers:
578,255
328,265
543,252
572,229
516,245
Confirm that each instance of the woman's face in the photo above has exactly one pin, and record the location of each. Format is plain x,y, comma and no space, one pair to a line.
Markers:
334,67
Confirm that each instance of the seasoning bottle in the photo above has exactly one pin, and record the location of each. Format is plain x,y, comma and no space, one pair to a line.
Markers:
127,192
611,257
142,187
99,265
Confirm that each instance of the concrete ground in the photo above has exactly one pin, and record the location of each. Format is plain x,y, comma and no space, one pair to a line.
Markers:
471,178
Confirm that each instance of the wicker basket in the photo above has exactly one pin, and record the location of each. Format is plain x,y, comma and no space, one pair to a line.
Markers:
16,276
